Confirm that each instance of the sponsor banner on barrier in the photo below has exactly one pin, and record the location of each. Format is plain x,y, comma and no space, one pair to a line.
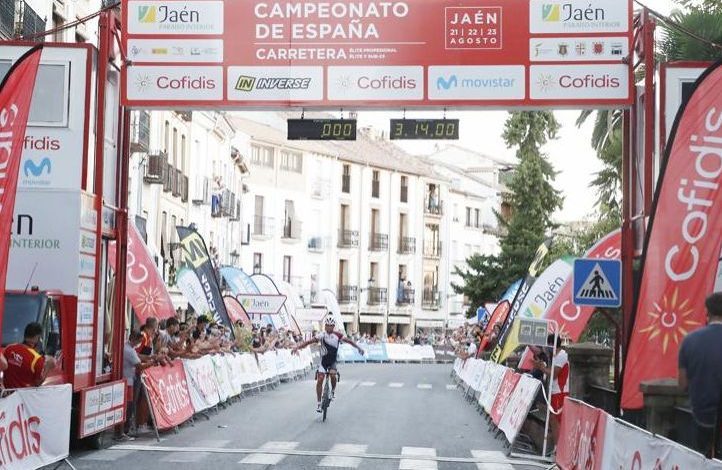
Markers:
225,390
376,352
36,427
168,393
488,395
202,383
348,353
520,403
583,434
501,401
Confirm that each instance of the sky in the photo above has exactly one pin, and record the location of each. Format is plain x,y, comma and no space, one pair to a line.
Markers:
570,154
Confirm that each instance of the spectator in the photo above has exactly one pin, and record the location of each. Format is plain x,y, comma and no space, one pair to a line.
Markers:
167,338
26,367
132,366
201,326
149,331
560,382
700,373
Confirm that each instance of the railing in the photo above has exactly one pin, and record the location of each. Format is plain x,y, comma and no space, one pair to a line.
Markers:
155,169
376,296
184,188
177,178
432,207
407,245
236,216
430,298
347,238
316,244
292,229
345,183
347,294
140,131
604,398
375,188
262,226
378,242
404,194
30,22
405,296
7,19
432,250
216,206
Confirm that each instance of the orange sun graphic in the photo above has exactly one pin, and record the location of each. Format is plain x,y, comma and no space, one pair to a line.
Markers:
149,300
670,320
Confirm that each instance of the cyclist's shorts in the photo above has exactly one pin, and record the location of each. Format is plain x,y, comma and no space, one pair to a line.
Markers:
324,370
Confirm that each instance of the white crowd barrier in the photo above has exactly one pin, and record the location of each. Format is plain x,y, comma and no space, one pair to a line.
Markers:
387,352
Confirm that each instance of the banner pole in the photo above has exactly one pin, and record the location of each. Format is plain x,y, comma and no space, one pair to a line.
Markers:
549,391
150,407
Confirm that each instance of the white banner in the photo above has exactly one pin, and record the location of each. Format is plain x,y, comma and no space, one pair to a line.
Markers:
519,404
225,391
488,395
35,430
202,383
235,371
261,304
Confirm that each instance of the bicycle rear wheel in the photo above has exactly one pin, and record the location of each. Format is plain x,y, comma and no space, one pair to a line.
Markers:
326,397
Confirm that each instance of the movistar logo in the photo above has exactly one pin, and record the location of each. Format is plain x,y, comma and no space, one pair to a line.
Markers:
147,14
551,12
442,83
30,167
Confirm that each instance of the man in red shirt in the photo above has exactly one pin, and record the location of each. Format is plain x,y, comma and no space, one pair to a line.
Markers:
27,367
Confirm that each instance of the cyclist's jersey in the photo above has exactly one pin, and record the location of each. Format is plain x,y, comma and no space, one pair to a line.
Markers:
329,347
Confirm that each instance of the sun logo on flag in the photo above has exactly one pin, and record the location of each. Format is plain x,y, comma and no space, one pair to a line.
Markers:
149,300
670,320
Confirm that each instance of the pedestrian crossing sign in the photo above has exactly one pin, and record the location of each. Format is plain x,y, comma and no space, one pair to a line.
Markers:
597,282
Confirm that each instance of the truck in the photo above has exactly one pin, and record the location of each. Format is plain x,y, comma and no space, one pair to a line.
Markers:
71,203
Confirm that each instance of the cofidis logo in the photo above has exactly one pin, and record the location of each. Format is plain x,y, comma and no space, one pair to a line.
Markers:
173,17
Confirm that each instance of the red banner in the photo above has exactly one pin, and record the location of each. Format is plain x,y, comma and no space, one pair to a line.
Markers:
16,92
683,246
236,311
502,396
167,389
498,317
582,434
143,284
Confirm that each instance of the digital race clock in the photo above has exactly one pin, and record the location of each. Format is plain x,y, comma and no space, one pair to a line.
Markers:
442,129
321,129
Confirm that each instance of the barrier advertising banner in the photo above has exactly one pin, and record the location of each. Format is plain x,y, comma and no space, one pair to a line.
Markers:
520,403
202,383
170,399
582,437
36,427
369,53
682,249
501,401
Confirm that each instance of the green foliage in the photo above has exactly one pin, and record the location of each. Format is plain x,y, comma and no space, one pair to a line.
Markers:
705,21
533,200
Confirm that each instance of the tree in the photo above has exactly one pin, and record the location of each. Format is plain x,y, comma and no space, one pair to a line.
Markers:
704,21
533,200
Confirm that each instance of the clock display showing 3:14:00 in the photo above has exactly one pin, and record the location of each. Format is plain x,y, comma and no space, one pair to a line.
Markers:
432,129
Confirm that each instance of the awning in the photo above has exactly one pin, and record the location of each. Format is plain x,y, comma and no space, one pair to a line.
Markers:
371,319
429,323
347,318
399,320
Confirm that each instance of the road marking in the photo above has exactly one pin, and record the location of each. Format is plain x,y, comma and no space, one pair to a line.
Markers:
495,460
411,464
185,457
396,384
424,386
270,459
107,455
345,462
367,384
450,386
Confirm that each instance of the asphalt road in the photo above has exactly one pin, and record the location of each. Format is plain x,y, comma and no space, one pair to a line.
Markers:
381,413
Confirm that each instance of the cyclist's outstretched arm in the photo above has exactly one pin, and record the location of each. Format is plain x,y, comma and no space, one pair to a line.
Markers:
348,340
305,344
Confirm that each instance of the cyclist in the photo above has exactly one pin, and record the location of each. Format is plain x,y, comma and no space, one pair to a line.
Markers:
329,340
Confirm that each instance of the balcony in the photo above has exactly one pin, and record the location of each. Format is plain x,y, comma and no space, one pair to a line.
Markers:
375,188
177,178
431,299
184,188
378,242
156,168
347,238
263,226
405,296
216,206
168,178
30,22
7,19
432,250
407,246
433,208
236,212
228,203
376,296
316,244
345,183
347,294
292,229
404,194
140,131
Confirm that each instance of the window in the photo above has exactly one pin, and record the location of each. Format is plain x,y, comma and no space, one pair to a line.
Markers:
477,216
262,156
58,23
49,105
163,228
287,269
257,263
468,216
175,147
183,154
292,161
404,189
375,184
173,232
51,328
166,137
346,179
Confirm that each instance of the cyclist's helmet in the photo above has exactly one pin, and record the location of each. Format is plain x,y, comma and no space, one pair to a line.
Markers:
330,321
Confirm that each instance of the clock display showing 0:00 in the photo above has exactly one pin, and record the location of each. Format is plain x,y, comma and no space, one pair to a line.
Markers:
435,129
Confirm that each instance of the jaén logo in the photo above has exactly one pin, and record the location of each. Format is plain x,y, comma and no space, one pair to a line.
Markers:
551,12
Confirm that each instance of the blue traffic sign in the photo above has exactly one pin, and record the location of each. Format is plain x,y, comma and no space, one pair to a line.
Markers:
597,282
